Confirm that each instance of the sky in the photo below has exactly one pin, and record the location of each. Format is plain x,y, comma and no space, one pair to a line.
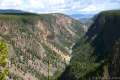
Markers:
61,6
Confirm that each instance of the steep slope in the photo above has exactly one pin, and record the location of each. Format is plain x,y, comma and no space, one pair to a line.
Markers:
105,31
114,64
97,55
104,35
39,45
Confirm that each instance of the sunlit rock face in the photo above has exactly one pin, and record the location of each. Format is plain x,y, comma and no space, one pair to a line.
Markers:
39,45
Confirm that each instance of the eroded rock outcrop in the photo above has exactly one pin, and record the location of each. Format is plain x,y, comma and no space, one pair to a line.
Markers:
36,40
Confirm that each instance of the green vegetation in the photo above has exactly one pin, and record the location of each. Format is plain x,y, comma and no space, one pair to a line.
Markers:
3,60
34,72
82,62
76,25
16,77
51,56
47,18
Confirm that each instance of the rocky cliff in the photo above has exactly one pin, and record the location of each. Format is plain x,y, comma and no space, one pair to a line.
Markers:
104,35
39,45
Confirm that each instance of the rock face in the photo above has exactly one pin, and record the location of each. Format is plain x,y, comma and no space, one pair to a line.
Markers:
114,67
105,31
39,45
104,35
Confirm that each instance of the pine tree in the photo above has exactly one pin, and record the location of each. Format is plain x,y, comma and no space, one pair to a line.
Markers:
3,60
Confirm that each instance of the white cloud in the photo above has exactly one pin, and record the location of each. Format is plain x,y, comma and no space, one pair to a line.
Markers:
55,2
93,9
100,5
64,6
89,8
11,4
35,4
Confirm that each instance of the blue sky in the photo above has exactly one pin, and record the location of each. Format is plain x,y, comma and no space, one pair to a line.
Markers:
61,6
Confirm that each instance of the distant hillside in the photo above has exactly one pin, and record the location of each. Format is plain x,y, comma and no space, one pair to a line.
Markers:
39,45
86,19
11,11
80,16
15,12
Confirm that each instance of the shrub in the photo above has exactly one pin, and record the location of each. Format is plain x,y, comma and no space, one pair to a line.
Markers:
3,60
